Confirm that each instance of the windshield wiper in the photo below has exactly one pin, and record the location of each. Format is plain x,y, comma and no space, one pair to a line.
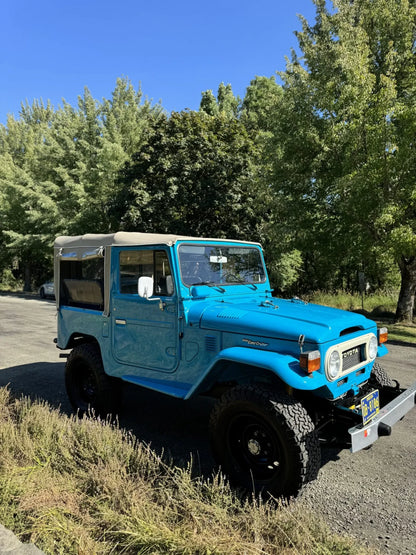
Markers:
241,282
210,284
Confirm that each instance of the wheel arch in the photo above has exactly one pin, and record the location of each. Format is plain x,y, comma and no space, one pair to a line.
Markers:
244,365
81,338
226,374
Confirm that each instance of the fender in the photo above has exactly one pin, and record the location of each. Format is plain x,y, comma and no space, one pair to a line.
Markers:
286,367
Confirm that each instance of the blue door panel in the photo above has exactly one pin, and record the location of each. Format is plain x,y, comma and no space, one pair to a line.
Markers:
144,332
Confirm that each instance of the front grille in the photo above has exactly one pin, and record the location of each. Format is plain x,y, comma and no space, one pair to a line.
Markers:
352,357
353,354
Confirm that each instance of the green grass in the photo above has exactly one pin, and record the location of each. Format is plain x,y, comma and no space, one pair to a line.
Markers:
87,487
403,333
380,307
376,303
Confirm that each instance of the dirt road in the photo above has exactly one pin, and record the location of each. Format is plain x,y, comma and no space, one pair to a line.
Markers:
370,495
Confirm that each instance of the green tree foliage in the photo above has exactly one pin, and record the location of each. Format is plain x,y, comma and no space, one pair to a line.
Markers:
225,102
261,103
59,170
259,113
28,208
196,175
344,140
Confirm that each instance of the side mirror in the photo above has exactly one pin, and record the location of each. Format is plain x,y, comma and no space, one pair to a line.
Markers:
145,287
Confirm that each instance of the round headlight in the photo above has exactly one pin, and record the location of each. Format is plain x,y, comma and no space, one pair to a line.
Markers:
334,365
372,347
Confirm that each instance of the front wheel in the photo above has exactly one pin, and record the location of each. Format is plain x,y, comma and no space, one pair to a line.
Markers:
87,385
387,387
379,377
265,441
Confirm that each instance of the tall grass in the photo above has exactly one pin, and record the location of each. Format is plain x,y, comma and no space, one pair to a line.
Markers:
379,303
87,487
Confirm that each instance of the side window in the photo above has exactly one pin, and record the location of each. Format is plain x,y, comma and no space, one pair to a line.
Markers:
163,275
134,264
137,263
82,283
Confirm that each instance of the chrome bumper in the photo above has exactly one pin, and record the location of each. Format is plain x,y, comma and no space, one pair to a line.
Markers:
380,425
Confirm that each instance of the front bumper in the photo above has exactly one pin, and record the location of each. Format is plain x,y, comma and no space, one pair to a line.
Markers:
380,425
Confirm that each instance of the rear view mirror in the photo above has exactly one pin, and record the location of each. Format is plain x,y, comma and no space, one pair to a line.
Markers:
145,287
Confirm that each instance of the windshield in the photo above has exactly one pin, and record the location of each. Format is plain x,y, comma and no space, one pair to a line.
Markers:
220,265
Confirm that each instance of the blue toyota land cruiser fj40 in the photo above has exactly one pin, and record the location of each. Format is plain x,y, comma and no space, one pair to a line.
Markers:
188,316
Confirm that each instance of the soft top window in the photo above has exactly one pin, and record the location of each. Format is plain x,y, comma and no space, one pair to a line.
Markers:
82,283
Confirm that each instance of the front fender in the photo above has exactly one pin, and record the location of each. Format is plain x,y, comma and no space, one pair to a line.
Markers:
286,367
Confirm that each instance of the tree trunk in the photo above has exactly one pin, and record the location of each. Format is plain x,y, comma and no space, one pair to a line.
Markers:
28,278
405,304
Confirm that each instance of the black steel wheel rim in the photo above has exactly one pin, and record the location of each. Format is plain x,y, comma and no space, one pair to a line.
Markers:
86,384
255,446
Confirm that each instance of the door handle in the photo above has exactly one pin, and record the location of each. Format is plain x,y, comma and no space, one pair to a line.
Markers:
120,322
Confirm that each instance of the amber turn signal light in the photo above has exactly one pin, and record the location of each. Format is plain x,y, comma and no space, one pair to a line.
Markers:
310,361
382,335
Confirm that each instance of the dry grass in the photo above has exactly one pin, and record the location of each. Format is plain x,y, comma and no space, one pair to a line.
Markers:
86,487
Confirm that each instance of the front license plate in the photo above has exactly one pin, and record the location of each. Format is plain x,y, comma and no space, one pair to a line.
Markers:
370,406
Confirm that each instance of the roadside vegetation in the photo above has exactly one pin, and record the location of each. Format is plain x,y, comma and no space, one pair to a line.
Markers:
380,307
86,486
9,283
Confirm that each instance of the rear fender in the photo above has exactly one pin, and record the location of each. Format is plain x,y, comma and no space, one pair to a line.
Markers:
78,339
283,366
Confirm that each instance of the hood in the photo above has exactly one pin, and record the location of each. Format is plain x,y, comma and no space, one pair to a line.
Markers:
287,319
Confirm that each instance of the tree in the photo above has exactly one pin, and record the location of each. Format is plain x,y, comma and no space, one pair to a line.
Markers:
344,138
261,102
27,212
196,175
225,102
59,169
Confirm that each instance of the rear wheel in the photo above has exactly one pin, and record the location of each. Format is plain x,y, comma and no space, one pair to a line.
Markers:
87,385
265,441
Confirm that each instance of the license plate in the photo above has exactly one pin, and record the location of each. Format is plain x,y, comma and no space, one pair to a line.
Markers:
370,406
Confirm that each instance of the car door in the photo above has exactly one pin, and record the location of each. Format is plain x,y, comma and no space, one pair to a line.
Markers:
144,331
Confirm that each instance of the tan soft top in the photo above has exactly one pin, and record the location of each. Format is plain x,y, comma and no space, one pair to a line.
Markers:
119,238
91,245
126,238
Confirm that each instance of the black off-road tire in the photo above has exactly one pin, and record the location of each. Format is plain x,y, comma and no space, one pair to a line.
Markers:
265,441
379,377
87,385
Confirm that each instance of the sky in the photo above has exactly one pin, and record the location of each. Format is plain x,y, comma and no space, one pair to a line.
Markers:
52,50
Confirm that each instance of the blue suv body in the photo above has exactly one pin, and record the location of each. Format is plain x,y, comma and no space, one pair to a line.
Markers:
187,316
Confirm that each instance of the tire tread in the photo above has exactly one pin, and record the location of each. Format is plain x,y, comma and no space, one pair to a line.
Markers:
291,414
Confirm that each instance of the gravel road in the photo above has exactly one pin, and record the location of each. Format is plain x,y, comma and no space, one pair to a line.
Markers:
370,495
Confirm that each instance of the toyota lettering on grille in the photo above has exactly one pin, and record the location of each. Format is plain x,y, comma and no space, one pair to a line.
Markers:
350,353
